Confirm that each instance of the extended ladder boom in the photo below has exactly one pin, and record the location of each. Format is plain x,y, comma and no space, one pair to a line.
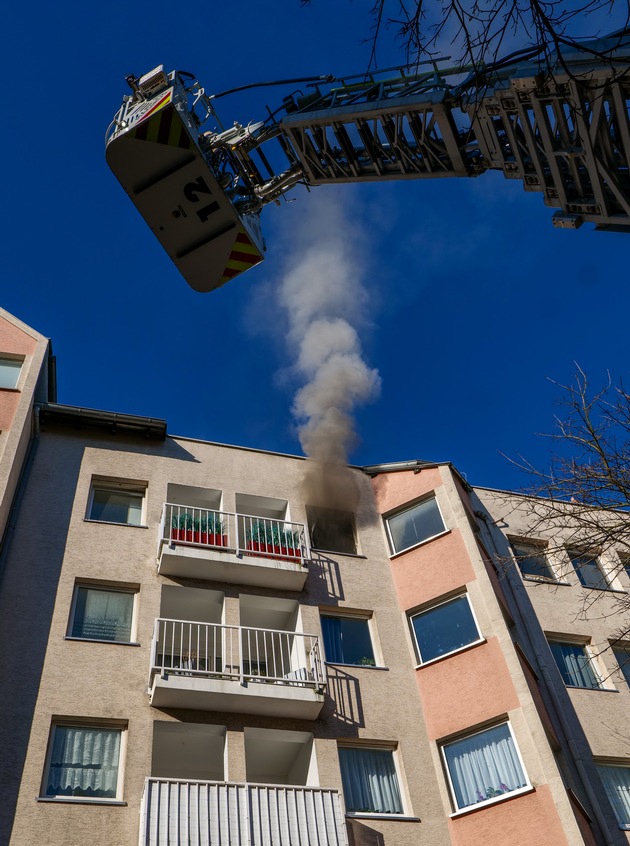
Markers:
562,129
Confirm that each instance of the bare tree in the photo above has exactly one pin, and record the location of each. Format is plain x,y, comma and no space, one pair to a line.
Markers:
478,32
581,502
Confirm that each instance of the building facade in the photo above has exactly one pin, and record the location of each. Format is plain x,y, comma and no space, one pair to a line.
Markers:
192,653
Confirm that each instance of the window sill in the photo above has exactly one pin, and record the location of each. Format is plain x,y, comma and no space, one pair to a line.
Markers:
594,689
77,800
366,815
355,666
542,581
99,640
11,390
421,543
489,802
450,654
336,552
110,523
603,589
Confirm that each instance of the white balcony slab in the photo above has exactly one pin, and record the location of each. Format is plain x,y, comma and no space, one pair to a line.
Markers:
199,562
274,699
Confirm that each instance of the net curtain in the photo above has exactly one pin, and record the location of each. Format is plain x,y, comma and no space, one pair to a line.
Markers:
617,785
84,762
369,781
484,766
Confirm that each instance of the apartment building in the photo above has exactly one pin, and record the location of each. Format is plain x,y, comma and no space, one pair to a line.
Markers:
192,652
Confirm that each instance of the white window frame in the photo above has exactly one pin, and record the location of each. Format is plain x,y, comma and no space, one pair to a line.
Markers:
348,614
114,588
378,747
542,548
409,507
117,486
527,788
17,359
601,762
566,640
86,724
576,552
432,607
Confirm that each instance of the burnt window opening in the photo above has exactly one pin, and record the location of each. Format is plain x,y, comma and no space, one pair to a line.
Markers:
331,530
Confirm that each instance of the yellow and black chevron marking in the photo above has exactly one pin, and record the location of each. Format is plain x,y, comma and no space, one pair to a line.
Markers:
243,256
163,127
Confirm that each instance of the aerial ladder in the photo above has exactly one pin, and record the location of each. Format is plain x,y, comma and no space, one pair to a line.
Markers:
559,124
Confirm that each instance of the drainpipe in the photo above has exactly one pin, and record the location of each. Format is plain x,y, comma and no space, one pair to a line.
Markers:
516,586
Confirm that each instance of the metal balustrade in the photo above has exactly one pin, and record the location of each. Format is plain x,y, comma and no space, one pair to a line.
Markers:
209,813
241,533
239,653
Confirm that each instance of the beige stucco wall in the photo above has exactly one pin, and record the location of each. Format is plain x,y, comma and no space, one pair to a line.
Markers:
597,720
54,546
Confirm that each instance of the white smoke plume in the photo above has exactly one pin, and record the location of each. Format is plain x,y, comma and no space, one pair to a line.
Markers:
325,298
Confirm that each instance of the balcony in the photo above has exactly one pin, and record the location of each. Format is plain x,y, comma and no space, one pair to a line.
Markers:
223,546
211,667
210,813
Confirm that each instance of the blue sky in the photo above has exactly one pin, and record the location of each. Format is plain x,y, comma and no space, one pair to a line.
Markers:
475,301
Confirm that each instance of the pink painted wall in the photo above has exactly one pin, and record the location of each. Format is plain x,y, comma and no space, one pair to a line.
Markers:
431,570
465,689
395,489
530,819
12,340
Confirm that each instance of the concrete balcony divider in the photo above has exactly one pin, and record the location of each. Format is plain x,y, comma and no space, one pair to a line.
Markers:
210,813
202,543
209,666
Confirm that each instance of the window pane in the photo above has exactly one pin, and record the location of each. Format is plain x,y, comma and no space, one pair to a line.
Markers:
484,766
617,786
532,561
331,530
347,641
415,525
623,659
369,781
103,614
588,570
574,664
116,507
84,762
445,628
9,372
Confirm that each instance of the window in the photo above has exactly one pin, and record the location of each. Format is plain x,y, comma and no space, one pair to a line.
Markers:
532,561
83,762
575,665
616,781
484,766
588,570
347,640
444,628
370,783
331,530
102,613
116,504
415,525
623,659
10,371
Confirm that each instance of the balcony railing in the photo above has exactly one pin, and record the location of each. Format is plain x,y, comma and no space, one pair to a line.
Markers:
246,534
210,813
238,653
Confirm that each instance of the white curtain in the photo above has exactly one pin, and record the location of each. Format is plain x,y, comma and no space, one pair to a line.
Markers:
617,786
84,762
369,781
103,614
574,664
484,766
